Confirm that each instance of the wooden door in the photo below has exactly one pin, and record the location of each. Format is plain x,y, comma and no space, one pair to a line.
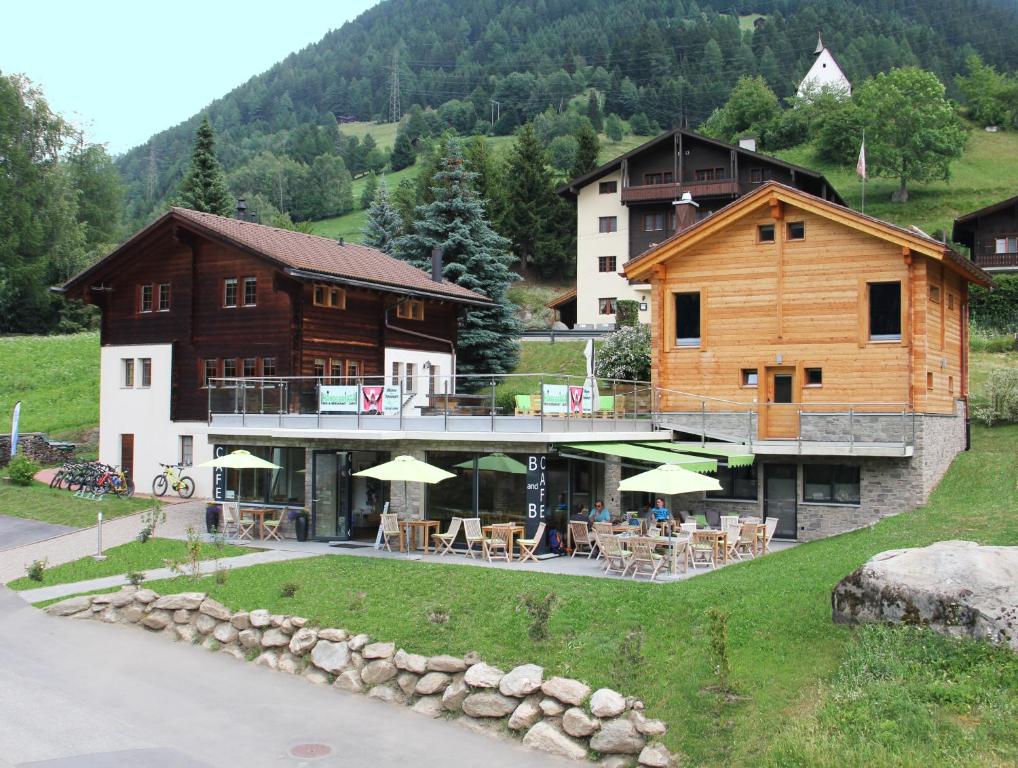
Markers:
127,455
781,416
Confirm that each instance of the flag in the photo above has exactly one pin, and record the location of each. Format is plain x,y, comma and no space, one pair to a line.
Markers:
14,428
860,167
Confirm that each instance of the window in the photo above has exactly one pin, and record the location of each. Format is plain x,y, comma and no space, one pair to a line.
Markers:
607,187
796,230
186,450
950,301
736,483
335,370
606,306
606,263
410,379
128,368
353,369
665,177
146,299
750,378
607,224
146,371
250,291
250,367
885,311
1006,244
935,294
230,292
709,174
759,175
687,319
814,377
765,233
164,297
330,296
395,374
410,310
230,368
653,222
319,368
211,371
268,366
830,484
929,381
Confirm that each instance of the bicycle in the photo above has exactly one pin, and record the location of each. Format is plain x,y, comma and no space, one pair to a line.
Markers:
113,480
171,477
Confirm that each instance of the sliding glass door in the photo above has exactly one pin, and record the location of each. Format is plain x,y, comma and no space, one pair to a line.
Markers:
330,503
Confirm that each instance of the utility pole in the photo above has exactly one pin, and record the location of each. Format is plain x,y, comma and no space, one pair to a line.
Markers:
395,113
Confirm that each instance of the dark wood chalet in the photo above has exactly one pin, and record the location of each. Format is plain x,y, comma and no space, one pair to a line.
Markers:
235,298
991,235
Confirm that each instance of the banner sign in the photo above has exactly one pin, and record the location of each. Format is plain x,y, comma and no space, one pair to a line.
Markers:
581,399
14,428
554,398
337,399
537,494
218,475
380,400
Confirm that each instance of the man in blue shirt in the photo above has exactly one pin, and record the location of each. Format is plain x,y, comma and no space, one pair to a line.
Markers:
661,513
600,514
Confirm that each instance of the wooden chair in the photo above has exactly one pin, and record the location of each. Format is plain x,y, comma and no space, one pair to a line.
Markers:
390,529
732,527
688,527
444,541
681,546
725,519
602,528
497,542
643,558
581,538
701,549
769,528
473,534
528,547
745,545
616,558
233,519
273,528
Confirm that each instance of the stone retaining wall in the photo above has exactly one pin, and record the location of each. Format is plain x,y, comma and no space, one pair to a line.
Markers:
38,447
558,715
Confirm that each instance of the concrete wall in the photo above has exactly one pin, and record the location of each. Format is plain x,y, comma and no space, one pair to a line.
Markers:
423,381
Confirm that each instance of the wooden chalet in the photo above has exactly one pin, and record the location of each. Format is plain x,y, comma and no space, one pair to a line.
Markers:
991,235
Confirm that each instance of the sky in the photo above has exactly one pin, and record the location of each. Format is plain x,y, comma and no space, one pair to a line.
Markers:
123,71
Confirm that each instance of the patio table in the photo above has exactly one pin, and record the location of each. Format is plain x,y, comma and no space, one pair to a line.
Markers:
719,540
661,542
517,530
417,527
260,513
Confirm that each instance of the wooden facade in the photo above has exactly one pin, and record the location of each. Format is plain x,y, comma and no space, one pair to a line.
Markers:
282,332
795,310
991,235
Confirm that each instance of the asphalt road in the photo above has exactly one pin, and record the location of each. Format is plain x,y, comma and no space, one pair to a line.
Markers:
17,531
80,694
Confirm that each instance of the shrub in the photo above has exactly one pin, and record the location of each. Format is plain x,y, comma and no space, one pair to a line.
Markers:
717,629
135,578
288,589
980,343
539,609
36,569
996,311
1001,393
627,313
625,354
22,470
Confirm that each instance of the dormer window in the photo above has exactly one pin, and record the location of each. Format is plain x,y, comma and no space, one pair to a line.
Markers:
329,296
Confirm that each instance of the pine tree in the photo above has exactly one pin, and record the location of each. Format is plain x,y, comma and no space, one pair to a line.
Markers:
531,215
474,257
586,151
403,155
384,222
204,186
369,191
594,111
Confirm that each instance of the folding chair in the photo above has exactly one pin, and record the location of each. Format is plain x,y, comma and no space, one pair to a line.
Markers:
497,542
390,529
644,559
745,545
616,559
581,538
473,534
444,541
529,546
273,528
242,526
769,528
701,549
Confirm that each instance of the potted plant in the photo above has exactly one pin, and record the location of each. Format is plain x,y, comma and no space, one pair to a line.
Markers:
301,522
213,513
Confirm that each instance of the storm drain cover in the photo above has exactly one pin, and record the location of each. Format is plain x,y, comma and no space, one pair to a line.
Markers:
311,751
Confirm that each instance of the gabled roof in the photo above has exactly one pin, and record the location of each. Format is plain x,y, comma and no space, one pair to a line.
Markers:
562,298
958,233
304,256
582,181
914,239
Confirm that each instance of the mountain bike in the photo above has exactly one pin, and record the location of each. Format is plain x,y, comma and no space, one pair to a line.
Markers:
170,477
113,480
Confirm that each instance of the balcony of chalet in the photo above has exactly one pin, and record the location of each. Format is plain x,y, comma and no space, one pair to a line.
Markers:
997,262
550,407
669,191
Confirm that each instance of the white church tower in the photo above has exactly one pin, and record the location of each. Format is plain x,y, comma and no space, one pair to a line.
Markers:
825,73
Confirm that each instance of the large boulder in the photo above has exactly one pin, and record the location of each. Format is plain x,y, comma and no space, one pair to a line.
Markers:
216,610
378,671
607,703
189,601
446,664
548,738
566,690
522,680
332,657
525,715
411,662
617,737
70,606
488,704
275,638
303,640
433,682
378,651
578,723
483,675
260,619
958,588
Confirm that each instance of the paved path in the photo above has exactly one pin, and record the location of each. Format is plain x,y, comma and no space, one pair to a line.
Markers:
207,566
19,531
79,543
84,694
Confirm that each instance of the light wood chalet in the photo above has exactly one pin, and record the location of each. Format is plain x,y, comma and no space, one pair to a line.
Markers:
784,298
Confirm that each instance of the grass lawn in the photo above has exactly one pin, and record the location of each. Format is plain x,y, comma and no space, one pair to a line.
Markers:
48,505
532,299
56,378
810,692
981,363
134,556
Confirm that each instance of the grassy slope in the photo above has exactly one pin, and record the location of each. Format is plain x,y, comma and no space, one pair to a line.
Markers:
782,642
55,377
986,173
38,502
134,556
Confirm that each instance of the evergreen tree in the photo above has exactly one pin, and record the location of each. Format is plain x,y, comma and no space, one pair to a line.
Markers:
613,128
479,162
403,155
594,111
384,222
586,151
368,193
204,186
532,216
474,257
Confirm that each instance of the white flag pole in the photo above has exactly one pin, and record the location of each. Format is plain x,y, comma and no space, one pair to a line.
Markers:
862,157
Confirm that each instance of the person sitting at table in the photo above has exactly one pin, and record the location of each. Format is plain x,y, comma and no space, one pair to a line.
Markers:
600,514
583,515
661,512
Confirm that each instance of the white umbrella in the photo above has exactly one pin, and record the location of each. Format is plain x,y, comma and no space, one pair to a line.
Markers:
239,459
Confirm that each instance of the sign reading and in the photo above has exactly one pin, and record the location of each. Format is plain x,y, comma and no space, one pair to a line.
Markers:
537,494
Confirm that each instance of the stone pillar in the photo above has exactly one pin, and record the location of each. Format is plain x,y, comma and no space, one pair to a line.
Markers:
612,477
414,491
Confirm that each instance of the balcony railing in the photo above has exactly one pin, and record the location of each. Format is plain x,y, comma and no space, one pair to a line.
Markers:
544,403
647,193
997,260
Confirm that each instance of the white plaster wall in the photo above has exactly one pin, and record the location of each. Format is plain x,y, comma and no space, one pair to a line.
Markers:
592,285
825,73
422,374
145,413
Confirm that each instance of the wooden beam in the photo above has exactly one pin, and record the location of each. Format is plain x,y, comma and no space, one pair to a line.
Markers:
778,214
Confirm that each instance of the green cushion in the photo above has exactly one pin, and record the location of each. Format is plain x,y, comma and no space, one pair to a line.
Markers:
606,403
523,402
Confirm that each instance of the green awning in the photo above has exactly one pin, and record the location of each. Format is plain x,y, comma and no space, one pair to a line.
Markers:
652,455
736,455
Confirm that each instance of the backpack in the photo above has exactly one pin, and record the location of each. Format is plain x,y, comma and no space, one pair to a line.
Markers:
555,541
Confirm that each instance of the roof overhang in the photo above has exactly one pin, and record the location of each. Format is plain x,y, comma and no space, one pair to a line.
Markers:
323,277
649,453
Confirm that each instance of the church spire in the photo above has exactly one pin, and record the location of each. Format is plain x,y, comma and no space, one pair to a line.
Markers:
820,45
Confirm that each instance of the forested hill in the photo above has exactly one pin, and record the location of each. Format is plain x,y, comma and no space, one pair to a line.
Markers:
671,60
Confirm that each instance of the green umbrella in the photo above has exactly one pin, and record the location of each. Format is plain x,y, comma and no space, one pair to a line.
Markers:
496,462
670,479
